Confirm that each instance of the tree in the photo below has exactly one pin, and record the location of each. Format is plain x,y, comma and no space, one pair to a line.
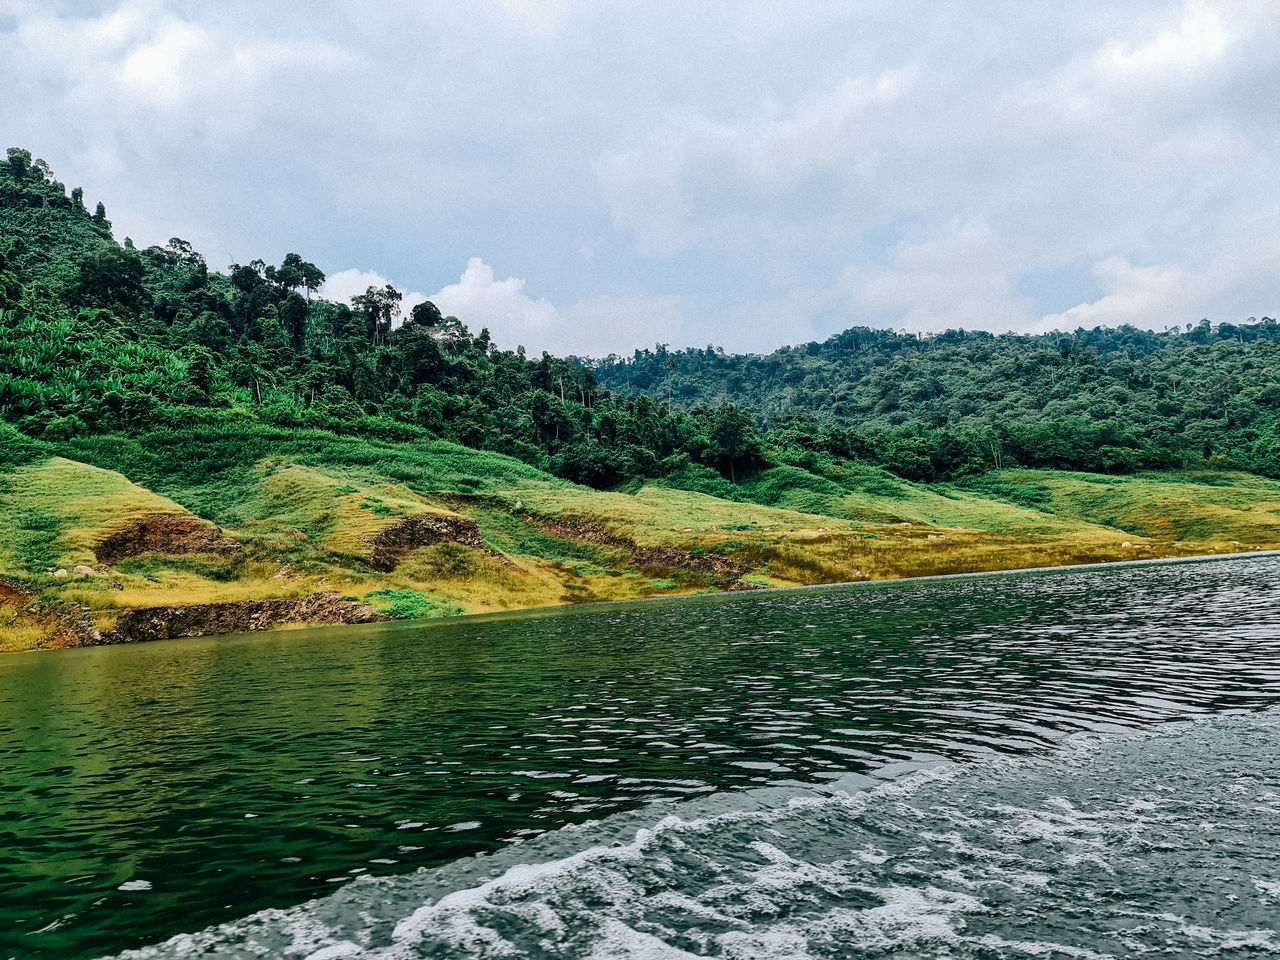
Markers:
293,318
380,309
111,277
425,314
732,439
19,164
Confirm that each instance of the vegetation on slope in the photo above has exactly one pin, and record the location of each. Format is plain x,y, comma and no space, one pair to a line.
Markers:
308,435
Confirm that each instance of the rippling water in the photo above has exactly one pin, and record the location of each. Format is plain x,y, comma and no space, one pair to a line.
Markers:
162,788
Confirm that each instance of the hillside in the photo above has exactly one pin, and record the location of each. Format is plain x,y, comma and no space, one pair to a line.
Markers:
243,540
1111,400
185,451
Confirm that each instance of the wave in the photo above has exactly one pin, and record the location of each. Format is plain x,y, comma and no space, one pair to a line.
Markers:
1114,845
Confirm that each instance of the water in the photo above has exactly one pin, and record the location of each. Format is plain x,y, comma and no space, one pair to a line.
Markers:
884,768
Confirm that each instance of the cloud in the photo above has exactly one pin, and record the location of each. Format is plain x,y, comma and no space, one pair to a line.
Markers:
962,277
340,287
1134,295
1229,287
591,327
743,174
653,187
1199,37
501,305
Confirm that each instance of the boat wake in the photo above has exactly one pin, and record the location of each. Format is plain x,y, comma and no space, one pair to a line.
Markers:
1114,845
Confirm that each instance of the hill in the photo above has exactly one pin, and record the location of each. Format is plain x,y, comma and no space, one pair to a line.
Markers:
927,406
185,451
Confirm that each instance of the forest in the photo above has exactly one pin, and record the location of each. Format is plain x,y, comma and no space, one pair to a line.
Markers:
98,337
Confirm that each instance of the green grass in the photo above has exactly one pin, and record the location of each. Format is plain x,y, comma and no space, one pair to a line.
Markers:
410,605
53,512
1207,507
306,503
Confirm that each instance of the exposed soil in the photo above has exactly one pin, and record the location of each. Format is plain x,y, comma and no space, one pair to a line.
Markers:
164,533
11,592
235,616
390,545
666,558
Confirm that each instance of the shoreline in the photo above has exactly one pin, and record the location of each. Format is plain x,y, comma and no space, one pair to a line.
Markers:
297,626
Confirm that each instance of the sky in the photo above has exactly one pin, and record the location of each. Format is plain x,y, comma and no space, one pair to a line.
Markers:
595,177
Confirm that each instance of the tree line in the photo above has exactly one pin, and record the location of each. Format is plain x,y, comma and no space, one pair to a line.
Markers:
97,336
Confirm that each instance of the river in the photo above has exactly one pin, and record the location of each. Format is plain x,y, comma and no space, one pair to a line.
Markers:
1060,763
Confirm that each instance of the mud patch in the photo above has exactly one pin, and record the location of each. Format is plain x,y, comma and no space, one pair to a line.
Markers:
164,533
235,616
664,558
391,545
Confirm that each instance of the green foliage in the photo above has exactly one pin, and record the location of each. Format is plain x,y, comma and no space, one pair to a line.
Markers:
946,405
410,605
151,349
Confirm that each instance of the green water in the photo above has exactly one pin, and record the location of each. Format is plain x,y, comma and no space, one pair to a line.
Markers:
163,788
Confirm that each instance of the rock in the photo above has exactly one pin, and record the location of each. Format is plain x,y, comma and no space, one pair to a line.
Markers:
235,616
60,573
390,545
1126,544
83,571
164,533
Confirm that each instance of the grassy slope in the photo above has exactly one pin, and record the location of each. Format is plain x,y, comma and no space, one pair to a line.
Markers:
303,503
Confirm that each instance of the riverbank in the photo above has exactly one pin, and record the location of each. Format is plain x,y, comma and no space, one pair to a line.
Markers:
89,556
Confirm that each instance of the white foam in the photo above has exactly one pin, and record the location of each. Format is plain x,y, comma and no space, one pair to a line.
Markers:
777,874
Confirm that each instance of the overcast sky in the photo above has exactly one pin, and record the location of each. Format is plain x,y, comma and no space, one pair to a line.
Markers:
594,176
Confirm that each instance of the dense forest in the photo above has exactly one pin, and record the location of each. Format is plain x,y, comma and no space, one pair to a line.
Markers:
98,337
1108,400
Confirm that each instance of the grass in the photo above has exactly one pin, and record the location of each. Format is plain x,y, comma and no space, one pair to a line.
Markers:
18,630
53,512
1211,508
304,504
410,604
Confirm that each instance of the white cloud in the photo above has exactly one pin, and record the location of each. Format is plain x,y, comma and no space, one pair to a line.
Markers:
340,287
478,300
1231,286
742,173
540,17
1199,37
592,327
961,277
653,187
1135,295
143,60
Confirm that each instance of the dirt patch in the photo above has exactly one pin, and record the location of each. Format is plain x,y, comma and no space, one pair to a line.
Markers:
390,545
164,533
666,558
11,592
235,616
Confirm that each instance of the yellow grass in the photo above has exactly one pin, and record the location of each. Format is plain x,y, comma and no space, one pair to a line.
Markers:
307,530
